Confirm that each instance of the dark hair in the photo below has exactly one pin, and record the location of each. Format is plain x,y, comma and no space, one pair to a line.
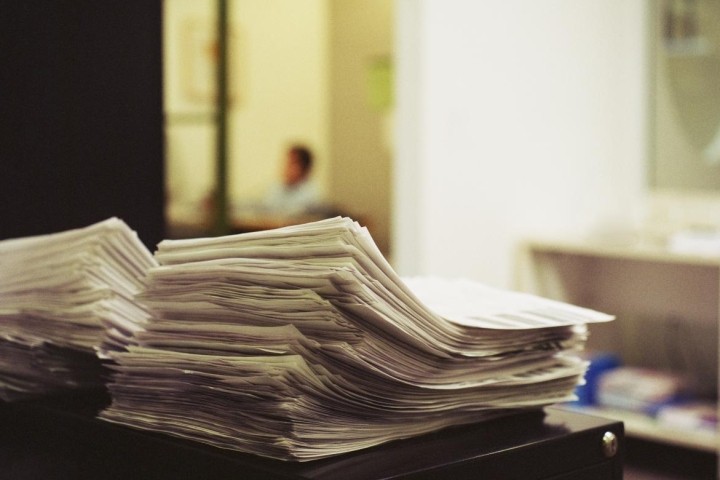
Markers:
304,156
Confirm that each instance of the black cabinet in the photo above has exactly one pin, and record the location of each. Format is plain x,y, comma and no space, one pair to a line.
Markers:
55,439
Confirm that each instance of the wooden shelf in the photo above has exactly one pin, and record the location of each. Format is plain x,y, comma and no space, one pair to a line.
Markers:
638,250
657,294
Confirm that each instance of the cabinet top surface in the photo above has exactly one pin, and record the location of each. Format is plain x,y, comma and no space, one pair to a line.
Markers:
636,249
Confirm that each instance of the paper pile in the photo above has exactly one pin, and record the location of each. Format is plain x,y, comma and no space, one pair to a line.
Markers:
302,342
64,297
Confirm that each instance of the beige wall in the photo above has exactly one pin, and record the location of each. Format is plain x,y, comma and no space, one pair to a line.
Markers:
360,143
282,83
189,134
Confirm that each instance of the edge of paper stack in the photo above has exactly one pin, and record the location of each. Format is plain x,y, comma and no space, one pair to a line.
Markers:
63,297
302,342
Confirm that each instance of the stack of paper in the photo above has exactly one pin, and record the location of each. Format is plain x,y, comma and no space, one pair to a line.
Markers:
63,298
302,342
30,368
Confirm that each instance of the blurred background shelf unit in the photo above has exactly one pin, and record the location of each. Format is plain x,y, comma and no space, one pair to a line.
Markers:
667,311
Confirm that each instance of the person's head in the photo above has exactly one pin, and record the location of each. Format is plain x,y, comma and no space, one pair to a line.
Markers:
297,165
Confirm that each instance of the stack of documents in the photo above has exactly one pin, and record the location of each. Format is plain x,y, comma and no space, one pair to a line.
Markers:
33,367
302,342
64,297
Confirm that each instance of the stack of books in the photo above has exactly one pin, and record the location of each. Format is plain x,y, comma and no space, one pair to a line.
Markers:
302,342
65,298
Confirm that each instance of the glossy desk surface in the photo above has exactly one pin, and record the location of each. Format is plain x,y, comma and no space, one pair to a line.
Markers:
60,438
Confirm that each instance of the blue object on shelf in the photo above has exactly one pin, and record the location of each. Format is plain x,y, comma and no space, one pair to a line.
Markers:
600,363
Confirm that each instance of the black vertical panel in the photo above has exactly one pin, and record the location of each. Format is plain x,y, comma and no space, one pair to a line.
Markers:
81,115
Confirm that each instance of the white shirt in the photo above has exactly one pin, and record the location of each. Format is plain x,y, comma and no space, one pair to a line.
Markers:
292,200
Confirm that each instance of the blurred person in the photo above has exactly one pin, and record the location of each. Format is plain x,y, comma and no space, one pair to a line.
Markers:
296,193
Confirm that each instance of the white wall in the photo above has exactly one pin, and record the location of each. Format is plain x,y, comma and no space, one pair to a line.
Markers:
514,118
